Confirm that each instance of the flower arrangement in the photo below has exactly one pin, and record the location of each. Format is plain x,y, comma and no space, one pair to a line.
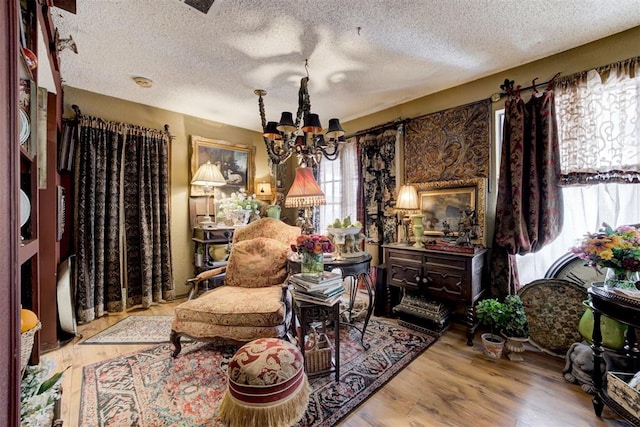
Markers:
312,244
39,393
618,249
240,200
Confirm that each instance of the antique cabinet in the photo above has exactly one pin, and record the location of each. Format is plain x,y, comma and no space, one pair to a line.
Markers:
452,277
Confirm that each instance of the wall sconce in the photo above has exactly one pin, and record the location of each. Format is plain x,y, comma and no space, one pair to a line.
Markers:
264,190
407,202
61,44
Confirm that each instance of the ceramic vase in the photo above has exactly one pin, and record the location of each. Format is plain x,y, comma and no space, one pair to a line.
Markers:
493,345
312,263
418,230
623,279
515,348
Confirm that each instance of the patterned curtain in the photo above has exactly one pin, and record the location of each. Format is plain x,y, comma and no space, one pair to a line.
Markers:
378,171
122,218
599,129
529,200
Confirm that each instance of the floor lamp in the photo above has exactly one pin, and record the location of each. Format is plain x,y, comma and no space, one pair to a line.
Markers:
208,176
305,193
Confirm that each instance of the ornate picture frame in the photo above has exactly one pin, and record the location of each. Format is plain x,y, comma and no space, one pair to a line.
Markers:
447,200
236,162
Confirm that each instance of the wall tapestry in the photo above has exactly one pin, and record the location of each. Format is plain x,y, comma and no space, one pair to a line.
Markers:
378,154
448,145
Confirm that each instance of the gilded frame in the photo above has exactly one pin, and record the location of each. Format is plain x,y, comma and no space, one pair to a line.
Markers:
236,162
443,200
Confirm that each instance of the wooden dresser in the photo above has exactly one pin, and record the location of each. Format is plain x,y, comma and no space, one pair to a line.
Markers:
450,277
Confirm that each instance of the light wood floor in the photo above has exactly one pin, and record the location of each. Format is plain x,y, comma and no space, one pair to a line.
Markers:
450,384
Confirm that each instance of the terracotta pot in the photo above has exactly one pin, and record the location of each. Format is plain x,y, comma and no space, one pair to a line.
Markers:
493,345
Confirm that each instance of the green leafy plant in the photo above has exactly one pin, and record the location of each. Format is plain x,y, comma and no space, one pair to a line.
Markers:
516,324
507,317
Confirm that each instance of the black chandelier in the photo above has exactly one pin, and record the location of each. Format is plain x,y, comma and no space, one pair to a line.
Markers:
286,137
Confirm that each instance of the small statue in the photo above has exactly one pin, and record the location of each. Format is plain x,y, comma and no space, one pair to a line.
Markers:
446,228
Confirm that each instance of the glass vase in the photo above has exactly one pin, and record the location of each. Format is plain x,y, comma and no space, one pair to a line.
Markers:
312,264
621,279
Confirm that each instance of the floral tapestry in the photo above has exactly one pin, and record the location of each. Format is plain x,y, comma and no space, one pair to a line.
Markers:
448,145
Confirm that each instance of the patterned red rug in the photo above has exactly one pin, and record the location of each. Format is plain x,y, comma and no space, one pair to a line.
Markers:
149,388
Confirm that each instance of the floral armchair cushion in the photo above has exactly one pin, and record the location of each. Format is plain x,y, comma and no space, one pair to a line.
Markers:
258,262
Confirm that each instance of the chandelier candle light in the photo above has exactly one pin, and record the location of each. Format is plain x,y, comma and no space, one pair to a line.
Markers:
286,137
208,176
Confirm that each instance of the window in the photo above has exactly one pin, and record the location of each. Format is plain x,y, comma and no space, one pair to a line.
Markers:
599,137
339,181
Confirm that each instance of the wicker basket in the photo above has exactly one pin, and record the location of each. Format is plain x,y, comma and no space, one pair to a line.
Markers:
619,390
318,358
27,339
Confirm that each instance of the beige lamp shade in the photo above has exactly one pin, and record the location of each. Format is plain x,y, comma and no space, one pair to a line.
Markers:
208,175
407,198
305,191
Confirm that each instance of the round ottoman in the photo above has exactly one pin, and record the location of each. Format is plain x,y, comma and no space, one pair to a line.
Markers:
267,385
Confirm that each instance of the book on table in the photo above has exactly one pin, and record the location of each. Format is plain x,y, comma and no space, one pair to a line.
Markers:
326,276
301,280
306,297
320,293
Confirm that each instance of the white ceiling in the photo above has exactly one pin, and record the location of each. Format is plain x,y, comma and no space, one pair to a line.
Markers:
364,56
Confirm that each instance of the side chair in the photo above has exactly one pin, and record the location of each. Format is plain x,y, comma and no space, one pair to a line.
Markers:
253,302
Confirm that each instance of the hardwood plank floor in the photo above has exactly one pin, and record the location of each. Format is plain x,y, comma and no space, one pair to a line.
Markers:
450,384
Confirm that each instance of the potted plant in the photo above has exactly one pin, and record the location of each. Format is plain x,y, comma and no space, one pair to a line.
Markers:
491,313
515,328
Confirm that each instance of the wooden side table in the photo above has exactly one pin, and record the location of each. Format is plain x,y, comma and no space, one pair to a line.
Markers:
624,310
357,268
307,313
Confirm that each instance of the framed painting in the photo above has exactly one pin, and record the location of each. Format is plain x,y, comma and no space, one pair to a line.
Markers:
235,161
445,204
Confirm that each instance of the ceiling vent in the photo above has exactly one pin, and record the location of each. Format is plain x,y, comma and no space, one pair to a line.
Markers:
201,5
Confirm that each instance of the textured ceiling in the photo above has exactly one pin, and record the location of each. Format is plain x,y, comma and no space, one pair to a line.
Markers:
364,56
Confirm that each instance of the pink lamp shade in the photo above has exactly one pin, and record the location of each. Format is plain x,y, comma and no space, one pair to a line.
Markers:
305,191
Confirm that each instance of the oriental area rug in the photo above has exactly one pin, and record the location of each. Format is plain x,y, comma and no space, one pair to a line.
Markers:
135,330
149,388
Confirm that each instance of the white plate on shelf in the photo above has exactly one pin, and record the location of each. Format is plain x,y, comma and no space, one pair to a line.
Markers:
24,126
25,208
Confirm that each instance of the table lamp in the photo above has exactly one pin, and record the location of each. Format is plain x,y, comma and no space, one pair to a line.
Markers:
305,193
264,190
208,176
407,202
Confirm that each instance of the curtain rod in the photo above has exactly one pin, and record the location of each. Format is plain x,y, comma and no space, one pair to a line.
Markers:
76,109
507,87
379,127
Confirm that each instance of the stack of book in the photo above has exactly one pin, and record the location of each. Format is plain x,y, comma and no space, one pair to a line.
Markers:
324,289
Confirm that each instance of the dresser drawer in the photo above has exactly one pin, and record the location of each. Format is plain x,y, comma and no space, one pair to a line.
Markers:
447,283
403,273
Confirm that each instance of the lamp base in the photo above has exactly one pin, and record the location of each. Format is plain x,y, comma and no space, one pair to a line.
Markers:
207,224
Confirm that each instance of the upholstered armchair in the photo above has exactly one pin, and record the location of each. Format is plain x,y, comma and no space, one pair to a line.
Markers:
254,301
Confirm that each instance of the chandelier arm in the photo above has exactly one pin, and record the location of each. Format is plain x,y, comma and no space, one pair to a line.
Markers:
330,155
261,108
304,104
275,157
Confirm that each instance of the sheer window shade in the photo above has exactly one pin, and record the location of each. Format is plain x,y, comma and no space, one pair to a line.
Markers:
598,124
339,182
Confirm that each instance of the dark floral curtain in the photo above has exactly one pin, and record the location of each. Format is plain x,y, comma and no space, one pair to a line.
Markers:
122,218
377,154
529,200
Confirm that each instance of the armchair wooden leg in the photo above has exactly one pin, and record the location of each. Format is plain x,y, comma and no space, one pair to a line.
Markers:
175,340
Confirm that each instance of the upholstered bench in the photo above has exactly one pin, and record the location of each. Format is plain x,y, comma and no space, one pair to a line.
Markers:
267,385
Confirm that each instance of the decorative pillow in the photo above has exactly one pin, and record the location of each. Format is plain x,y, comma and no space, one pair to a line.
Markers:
257,263
267,227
